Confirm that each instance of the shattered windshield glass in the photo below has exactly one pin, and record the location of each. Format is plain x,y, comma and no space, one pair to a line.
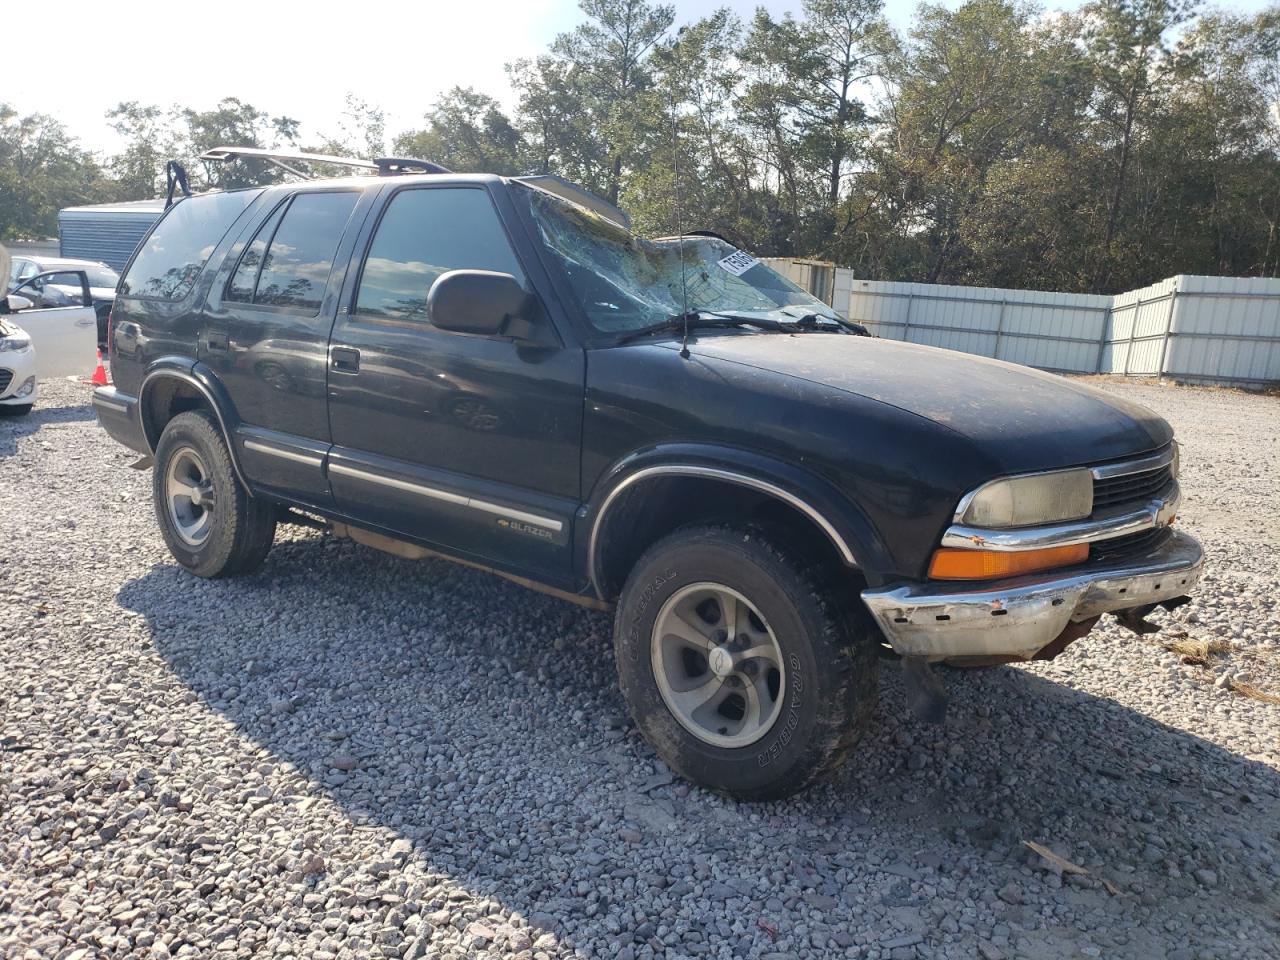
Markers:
625,283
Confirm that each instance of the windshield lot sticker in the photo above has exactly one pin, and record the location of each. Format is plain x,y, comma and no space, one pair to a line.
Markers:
738,263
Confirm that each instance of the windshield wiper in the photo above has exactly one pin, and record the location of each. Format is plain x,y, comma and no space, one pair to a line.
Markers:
815,321
704,320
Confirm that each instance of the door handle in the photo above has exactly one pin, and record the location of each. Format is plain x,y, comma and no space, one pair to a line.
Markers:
344,360
89,322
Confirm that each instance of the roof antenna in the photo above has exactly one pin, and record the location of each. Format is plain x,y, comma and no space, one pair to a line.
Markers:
675,170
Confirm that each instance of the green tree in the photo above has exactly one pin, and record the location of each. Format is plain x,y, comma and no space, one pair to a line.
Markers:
234,123
360,131
973,92
1127,46
42,169
466,131
602,75
149,141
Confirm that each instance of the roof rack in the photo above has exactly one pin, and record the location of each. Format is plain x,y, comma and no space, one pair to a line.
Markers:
392,166
383,166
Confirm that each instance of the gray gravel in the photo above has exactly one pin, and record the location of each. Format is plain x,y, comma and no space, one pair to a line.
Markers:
351,755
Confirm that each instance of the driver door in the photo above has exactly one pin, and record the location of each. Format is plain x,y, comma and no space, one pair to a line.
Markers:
60,321
464,441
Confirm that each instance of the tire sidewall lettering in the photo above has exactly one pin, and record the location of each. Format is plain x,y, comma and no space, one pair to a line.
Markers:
788,723
645,600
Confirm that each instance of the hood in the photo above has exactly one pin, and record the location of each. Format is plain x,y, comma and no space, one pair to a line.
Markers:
1023,419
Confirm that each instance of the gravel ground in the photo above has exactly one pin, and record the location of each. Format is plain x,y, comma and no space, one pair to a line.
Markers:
352,755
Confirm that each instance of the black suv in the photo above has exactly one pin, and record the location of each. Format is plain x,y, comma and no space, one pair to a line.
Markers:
497,370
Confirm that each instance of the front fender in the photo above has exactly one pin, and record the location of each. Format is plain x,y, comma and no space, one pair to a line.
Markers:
844,523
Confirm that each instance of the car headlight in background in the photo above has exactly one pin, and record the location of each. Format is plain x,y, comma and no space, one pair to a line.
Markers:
1030,500
15,343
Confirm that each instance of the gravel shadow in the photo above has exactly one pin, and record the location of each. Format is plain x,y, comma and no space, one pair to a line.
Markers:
13,428
481,722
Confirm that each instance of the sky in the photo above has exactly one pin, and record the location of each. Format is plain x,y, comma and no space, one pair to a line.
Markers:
300,61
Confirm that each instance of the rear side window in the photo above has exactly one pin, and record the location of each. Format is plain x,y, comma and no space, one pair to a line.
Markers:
245,279
173,255
423,234
288,262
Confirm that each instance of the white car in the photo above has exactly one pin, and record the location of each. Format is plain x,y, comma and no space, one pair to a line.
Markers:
18,386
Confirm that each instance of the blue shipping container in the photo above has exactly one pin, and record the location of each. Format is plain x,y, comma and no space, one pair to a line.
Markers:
108,232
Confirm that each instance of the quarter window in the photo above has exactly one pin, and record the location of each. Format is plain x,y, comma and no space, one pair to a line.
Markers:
288,262
176,251
423,234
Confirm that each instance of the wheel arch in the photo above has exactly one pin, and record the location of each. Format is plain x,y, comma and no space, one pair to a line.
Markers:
646,496
174,385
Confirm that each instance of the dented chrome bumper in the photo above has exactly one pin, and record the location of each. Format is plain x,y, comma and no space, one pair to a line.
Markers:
1019,617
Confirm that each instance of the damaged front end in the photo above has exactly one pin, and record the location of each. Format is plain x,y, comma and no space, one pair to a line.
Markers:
1135,563
1028,617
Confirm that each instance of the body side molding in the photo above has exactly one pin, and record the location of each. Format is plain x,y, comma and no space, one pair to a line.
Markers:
447,496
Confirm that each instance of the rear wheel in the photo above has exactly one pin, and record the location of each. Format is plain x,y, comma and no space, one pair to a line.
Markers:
209,522
747,670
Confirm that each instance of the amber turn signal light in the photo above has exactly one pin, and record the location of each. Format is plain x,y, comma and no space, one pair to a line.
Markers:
951,564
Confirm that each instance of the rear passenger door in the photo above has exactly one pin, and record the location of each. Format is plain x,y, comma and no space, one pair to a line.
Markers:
267,332
468,442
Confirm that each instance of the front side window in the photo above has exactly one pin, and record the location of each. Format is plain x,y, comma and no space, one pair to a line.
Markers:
624,282
171,258
52,290
288,262
423,234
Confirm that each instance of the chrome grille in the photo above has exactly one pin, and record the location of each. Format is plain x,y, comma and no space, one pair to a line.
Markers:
1131,488
6,378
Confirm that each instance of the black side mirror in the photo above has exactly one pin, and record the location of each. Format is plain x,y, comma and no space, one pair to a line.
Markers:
480,302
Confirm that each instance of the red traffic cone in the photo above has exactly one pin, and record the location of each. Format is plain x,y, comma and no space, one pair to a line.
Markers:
99,378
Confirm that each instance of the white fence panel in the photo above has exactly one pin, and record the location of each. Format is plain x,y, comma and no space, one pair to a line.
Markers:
1212,329
1059,331
1225,329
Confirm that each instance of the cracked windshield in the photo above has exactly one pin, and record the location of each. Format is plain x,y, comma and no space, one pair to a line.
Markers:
625,282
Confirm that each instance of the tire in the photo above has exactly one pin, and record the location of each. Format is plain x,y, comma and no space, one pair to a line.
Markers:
15,409
814,696
233,535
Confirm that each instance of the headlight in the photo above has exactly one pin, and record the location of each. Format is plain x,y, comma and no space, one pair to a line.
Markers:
1027,501
15,343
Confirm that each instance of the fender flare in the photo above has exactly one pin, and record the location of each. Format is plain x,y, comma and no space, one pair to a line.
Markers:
200,377
838,517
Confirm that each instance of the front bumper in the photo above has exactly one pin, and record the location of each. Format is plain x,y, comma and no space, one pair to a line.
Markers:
1018,617
16,369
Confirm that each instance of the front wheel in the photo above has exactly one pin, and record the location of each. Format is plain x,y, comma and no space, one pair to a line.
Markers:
209,522
747,671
